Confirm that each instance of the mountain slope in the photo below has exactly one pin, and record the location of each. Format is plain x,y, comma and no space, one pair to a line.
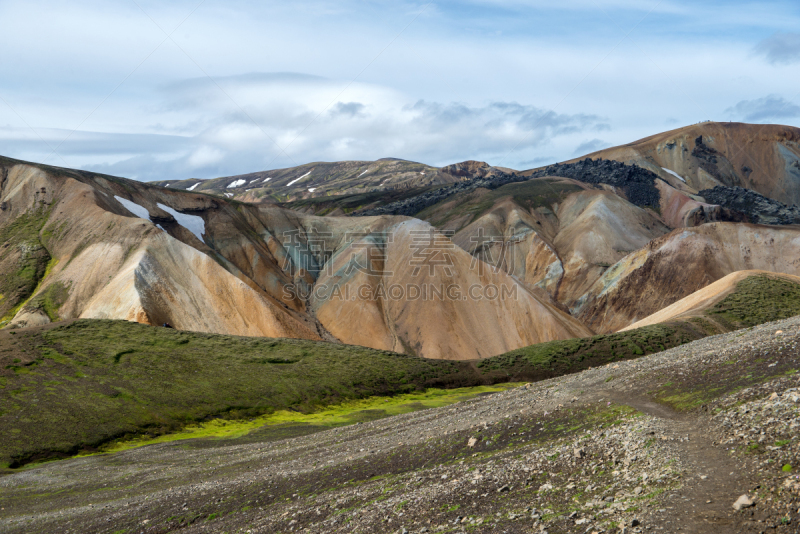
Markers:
760,296
676,265
764,158
105,247
318,179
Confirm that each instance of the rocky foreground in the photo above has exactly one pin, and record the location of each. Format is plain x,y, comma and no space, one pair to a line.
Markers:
702,438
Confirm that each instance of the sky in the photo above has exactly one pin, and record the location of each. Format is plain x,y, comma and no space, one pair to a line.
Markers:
205,88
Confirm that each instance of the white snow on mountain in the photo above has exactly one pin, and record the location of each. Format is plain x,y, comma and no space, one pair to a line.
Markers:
193,223
675,174
134,208
298,179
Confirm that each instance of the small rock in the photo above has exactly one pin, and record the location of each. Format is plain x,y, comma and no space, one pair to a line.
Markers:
573,515
579,453
743,502
635,522
503,489
638,490
773,396
472,442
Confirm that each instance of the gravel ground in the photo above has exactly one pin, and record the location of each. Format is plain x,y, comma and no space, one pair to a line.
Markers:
665,443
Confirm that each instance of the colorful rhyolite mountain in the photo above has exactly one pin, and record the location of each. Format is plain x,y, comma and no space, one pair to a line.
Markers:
493,260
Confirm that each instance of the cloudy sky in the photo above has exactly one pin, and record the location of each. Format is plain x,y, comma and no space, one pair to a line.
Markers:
154,90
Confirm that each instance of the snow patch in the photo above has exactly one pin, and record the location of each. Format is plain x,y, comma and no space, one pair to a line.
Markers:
166,185
229,195
134,208
675,174
267,179
192,188
193,223
236,183
298,179
362,174
311,189
422,172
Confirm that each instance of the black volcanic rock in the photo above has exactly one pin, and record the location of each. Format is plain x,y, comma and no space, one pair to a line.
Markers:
758,208
636,183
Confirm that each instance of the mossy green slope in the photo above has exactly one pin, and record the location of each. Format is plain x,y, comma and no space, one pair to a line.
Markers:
23,261
757,300
76,386
532,194
556,358
73,387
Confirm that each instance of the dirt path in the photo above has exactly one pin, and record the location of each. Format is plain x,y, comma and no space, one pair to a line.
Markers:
717,480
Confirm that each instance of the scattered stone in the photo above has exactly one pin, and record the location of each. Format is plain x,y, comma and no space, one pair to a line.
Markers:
743,502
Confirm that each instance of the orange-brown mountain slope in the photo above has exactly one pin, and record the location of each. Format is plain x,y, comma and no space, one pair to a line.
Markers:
605,259
77,244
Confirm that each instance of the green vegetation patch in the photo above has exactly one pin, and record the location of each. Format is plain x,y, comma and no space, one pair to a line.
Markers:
345,413
23,262
532,194
75,387
556,358
757,300
51,299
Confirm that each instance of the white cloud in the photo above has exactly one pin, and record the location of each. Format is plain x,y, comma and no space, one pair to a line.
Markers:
780,48
205,156
507,81
771,107
588,147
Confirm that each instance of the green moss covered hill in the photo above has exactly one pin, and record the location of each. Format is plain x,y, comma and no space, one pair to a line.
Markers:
71,387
